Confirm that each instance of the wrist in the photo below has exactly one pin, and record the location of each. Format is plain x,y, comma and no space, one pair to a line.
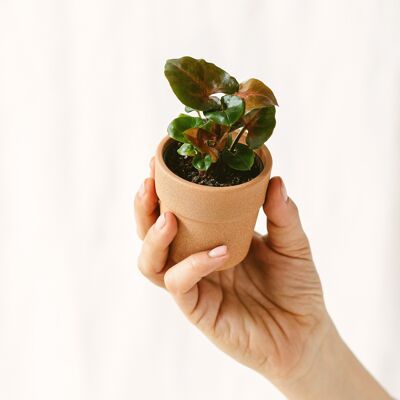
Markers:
334,373
321,378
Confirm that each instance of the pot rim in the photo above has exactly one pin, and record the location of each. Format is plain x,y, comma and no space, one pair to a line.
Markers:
262,152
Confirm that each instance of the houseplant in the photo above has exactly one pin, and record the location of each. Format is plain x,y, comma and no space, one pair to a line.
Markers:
212,169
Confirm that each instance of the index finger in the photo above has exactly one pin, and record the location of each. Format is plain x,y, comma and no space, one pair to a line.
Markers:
182,279
146,204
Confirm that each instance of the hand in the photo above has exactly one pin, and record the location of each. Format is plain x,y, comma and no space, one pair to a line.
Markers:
268,312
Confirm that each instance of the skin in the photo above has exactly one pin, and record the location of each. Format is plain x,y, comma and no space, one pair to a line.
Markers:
268,312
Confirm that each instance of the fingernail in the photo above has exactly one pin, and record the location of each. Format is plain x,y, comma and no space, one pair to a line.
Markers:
147,184
283,191
160,221
142,189
218,251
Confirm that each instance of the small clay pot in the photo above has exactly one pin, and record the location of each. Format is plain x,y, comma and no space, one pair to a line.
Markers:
211,216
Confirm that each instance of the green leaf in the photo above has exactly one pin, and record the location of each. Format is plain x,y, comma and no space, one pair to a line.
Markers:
179,125
256,95
260,124
202,163
189,109
194,81
217,105
233,109
209,126
187,150
241,159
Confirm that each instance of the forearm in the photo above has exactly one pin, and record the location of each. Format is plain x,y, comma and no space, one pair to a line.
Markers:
336,374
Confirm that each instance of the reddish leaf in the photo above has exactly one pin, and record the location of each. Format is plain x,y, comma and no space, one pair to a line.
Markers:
260,125
256,95
203,140
194,81
225,140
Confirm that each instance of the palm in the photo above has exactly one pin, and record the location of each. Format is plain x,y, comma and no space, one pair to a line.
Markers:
262,311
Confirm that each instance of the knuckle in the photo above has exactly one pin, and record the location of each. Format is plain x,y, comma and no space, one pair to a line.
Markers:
153,239
170,283
141,266
139,233
295,208
303,248
300,247
194,263
296,215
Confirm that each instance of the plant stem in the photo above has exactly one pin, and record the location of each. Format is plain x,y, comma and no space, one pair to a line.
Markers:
237,138
198,113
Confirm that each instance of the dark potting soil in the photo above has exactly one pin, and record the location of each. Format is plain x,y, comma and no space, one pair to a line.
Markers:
219,174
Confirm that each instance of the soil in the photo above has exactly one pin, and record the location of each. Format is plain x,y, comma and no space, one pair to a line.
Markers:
218,175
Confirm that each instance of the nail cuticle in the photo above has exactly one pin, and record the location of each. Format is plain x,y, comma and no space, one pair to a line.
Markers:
284,191
219,251
142,190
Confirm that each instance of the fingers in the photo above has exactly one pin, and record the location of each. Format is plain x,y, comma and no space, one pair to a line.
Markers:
285,233
152,167
181,280
146,204
154,253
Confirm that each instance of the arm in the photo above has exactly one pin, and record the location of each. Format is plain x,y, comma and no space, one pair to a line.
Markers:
335,374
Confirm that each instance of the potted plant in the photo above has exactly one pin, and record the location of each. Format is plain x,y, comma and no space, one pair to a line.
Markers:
212,170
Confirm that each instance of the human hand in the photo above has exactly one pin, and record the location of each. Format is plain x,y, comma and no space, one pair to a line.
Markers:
267,312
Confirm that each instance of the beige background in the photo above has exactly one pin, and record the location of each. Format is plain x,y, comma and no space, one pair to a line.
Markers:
83,103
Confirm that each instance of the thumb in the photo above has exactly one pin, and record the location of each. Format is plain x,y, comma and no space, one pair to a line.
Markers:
285,233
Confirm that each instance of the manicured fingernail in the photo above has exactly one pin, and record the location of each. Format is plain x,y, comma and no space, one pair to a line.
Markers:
142,189
160,222
147,184
218,251
283,191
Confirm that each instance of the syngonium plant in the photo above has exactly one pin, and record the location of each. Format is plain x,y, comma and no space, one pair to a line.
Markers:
226,112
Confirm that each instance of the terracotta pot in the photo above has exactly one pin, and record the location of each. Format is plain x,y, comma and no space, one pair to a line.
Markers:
211,216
